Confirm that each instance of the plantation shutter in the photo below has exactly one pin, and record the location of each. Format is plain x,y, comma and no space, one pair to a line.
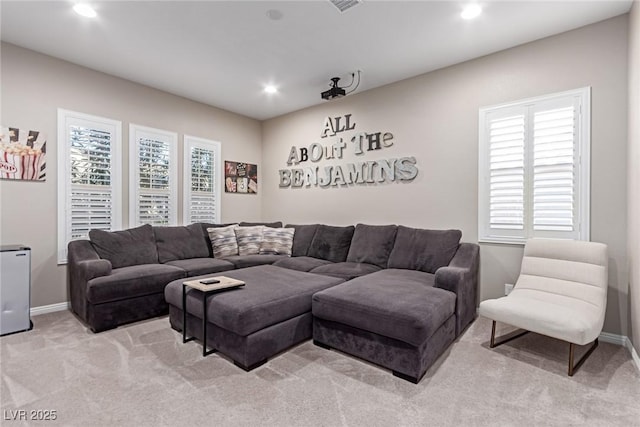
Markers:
201,182
506,174
154,199
91,170
554,163
89,186
534,169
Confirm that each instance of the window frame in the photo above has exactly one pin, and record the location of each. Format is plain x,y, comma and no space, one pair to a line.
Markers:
190,142
582,100
171,138
67,118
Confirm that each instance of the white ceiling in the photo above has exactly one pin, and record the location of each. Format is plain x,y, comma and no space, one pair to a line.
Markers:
222,53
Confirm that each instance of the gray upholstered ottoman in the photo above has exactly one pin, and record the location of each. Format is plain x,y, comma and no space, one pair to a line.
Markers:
394,318
269,314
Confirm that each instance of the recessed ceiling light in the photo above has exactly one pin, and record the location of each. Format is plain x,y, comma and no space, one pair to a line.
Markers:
275,14
270,89
85,10
470,11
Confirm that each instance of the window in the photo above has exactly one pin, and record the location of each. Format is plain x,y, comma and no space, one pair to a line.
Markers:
534,168
89,177
153,174
202,171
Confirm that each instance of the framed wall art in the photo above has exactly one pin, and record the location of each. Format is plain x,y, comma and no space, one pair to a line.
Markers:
22,154
240,177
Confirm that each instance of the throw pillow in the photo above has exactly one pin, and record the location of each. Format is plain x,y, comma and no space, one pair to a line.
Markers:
208,225
249,239
223,241
277,241
127,247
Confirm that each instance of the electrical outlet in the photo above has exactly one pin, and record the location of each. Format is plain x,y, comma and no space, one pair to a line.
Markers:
508,287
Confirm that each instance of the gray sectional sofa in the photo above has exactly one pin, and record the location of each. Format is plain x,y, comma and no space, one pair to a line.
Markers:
393,295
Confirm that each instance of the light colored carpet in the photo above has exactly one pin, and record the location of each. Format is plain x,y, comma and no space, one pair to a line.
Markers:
142,375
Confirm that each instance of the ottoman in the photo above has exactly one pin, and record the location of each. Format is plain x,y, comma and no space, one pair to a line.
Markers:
394,318
271,313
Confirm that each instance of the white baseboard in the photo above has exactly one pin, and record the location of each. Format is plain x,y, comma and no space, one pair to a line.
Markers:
634,353
51,308
613,338
623,341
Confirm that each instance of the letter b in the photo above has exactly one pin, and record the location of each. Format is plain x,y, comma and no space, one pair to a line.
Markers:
304,155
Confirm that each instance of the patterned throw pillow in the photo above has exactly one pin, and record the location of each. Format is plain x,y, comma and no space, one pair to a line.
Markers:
223,241
249,239
278,241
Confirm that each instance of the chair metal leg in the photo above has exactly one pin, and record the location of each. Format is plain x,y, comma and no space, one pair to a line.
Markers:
506,339
572,346
572,368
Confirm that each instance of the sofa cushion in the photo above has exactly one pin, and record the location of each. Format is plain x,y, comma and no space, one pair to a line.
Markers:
408,311
271,295
331,243
249,239
175,243
346,270
302,238
423,250
244,261
372,244
200,266
277,241
276,224
133,281
127,247
223,241
301,263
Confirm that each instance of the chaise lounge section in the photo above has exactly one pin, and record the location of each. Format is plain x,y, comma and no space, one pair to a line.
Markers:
405,316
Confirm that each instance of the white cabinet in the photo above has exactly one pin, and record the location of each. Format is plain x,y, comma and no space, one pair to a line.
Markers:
15,289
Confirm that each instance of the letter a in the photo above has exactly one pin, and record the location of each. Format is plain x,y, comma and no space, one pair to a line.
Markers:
293,156
328,127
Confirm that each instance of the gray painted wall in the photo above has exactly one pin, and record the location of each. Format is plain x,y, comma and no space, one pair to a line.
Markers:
34,86
435,118
634,174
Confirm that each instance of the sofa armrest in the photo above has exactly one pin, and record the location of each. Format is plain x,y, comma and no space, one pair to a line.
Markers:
452,278
84,258
461,278
92,268
84,264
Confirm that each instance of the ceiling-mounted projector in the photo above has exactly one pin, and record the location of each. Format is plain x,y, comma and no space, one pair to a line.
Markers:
338,92
335,91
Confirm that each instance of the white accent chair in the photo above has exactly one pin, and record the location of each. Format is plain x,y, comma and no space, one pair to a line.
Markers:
561,293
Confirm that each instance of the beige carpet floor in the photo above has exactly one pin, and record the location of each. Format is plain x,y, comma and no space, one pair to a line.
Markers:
142,375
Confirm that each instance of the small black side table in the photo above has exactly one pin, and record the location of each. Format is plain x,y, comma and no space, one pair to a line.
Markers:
225,284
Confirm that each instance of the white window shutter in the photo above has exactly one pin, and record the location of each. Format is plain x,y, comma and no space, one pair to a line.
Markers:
506,173
153,173
90,209
202,170
554,163
89,184
534,168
